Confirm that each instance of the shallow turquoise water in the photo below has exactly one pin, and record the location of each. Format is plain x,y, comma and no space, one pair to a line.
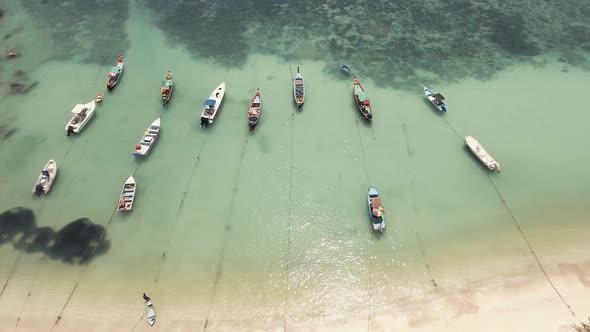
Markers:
271,225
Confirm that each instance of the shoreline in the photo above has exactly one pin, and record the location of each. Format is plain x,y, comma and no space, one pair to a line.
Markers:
508,303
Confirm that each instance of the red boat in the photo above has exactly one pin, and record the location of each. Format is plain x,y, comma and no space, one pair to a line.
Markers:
254,111
362,100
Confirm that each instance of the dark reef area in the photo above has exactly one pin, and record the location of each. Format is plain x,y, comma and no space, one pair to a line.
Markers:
397,43
77,242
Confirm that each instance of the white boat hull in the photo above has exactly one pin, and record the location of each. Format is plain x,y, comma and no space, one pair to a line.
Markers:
82,115
148,140
478,150
127,196
150,314
438,104
208,114
51,168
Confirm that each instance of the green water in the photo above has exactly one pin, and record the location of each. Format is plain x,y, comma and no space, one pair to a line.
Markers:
270,229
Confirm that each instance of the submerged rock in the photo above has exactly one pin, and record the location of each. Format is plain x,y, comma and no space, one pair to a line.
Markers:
6,132
16,87
18,73
20,88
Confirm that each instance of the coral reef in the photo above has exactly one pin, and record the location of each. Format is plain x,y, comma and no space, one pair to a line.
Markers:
397,43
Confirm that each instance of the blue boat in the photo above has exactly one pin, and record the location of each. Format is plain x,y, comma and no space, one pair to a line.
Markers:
376,210
345,68
436,99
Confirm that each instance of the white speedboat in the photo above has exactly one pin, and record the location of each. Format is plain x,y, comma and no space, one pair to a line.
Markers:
82,114
436,99
148,139
211,105
376,210
127,195
46,178
482,154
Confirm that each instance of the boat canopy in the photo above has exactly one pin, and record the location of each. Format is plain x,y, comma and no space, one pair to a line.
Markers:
362,96
79,108
209,102
438,96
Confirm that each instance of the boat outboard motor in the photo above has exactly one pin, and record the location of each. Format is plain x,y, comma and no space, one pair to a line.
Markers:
70,130
443,107
204,122
369,115
39,189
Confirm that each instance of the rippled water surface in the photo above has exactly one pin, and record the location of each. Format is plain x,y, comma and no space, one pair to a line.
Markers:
238,230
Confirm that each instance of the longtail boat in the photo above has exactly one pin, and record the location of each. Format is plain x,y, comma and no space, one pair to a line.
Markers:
362,100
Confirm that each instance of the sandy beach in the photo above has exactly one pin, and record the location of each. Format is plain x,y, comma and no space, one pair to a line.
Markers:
268,230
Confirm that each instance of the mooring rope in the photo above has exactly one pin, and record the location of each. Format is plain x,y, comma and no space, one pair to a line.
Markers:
228,219
287,263
226,230
99,241
520,231
528,243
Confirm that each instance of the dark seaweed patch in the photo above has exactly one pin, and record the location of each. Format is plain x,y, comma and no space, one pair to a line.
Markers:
83,29
77,242
397,43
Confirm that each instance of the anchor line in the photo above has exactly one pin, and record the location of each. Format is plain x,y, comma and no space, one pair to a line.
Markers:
64,307
181,205
530,247
66,153
195,164
522,233
85,267
453,129
288,254
370,281
225,236
27,298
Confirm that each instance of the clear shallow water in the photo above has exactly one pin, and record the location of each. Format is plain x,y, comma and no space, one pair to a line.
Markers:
273,224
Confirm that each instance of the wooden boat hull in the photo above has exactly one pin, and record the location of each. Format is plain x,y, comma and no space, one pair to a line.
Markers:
255,110
45,183
376,211
480,153
148,140
127,196
168,95
362,101
118,71
299,89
